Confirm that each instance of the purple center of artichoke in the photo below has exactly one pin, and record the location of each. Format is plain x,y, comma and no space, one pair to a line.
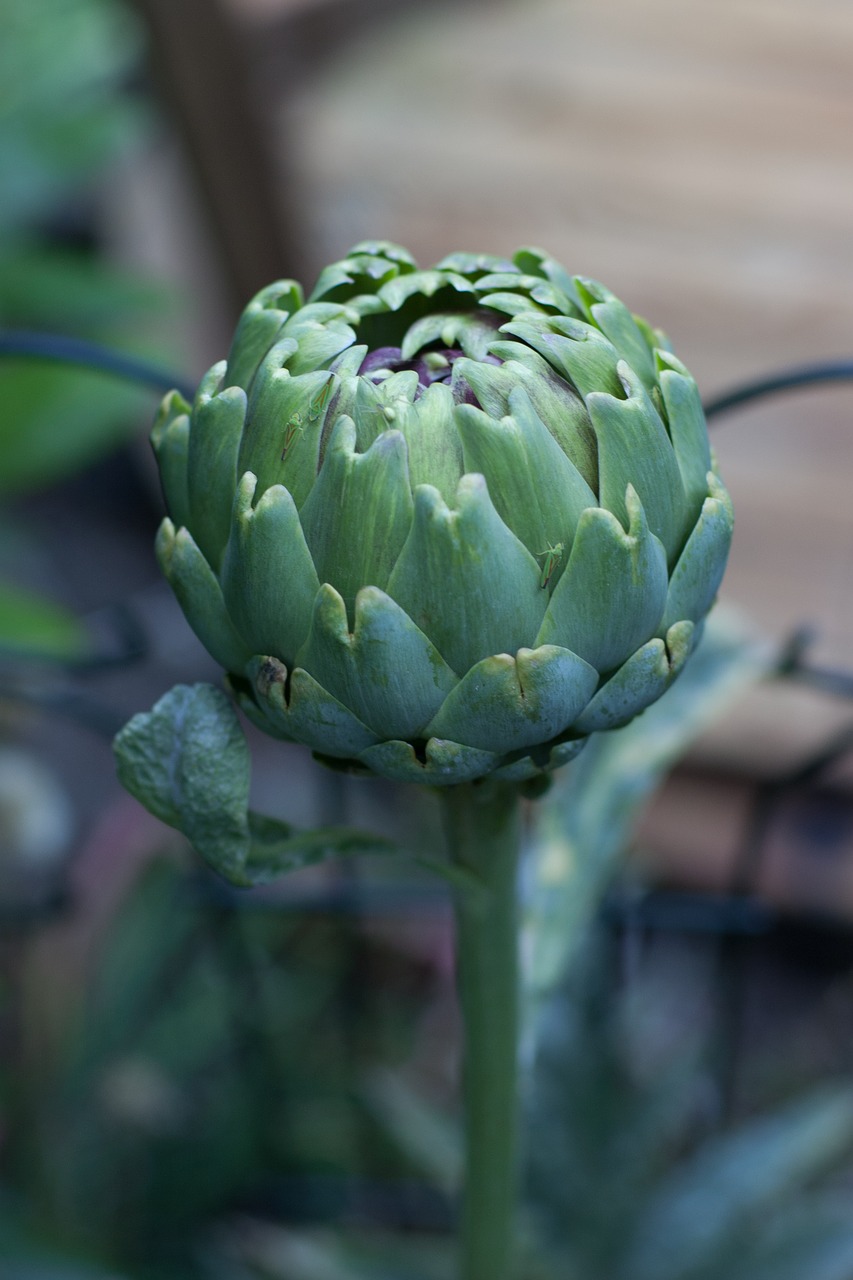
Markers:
430,366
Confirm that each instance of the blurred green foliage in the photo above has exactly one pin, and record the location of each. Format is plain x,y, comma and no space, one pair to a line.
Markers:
633,1177
585,824
230,1103
61,115
67,110
32,624
57,418
218,1061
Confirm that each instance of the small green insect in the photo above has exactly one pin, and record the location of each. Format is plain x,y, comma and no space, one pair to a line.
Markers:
317,405
383,411
293,429
553,556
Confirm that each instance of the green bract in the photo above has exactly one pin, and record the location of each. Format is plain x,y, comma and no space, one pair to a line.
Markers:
447,523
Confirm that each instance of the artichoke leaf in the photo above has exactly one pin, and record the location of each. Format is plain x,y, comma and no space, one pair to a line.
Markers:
318,345
521,770
378,406
465,579
315,314
216,429
577,350
358,515
427,284
639,681
200,596
536,262
555,402
533,289
387,249
268,577
688,432
508,703
634,449
258,329
211,384
509,303
443,764
170,438
612,317
470,331
474,265
284,425
697,576
257,712
612,594
386,670
187,762
537,491
347,365
306,712
564,752
355,274
432,440
542,762
548,295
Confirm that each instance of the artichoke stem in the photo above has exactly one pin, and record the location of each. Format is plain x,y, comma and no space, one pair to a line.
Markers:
482,823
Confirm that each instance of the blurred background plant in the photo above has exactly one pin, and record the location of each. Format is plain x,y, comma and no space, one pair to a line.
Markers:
250,1071
68,109
203,1085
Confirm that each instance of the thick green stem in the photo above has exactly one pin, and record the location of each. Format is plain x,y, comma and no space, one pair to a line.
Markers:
483,829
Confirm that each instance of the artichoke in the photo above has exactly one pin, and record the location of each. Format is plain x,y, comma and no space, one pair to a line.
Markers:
438,524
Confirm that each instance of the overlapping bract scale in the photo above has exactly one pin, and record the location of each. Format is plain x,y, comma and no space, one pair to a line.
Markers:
438,524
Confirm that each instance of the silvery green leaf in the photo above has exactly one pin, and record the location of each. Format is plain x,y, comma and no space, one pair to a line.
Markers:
170,438
187,761
259,328
359,512
612,592
583,824
385,669
732,1181
497,605
811,1239
268,577
216,429
200,596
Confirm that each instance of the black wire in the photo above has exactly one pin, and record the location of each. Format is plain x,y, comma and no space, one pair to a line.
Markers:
784,380
20,343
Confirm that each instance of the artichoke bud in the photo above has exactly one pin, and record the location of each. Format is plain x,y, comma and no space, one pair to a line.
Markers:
447,523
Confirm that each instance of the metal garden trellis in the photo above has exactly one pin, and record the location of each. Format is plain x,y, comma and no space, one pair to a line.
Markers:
736,915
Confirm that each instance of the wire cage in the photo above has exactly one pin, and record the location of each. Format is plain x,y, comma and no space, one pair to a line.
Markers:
735,925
